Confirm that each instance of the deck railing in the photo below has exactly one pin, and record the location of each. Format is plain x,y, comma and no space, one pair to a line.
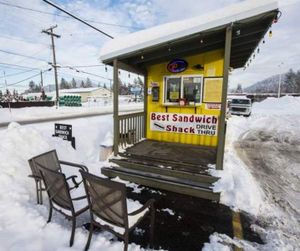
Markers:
131,128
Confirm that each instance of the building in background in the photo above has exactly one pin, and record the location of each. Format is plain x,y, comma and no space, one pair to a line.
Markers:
87,93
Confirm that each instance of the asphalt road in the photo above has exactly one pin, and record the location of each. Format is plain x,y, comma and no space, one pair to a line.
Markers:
58,118
274,162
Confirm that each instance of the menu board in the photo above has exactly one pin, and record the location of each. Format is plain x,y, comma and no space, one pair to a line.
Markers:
212,91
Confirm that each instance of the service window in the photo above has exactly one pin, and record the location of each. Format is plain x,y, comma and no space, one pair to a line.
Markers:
192,89
185,87
172,89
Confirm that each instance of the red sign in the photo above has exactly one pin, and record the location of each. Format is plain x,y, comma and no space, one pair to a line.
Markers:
184,123
177,65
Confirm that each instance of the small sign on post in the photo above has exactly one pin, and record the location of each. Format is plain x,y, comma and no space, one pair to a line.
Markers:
65,132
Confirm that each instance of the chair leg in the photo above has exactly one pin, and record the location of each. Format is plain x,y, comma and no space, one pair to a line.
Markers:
73,231
126,240
40,192
89,237
50,212
152,215
37,192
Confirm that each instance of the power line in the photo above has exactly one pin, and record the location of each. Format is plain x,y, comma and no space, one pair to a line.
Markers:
21,55
13,66
77,18
83,66
85,72
38,74
62,74
64,16
22,40
18,73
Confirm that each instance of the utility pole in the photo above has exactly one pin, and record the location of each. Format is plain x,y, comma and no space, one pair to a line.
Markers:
5,81
42,81
50,32
279,83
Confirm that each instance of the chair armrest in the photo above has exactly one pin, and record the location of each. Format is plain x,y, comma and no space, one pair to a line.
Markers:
80,198
149,203
71,177
34,176
82,167
76,184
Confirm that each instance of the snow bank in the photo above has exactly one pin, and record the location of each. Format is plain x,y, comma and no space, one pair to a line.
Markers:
286,105
23,222
274,126
238,188
279,119
219,242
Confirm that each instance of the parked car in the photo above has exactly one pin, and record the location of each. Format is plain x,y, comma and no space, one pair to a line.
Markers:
240,105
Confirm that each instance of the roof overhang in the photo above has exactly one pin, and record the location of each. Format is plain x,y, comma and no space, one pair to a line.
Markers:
247,34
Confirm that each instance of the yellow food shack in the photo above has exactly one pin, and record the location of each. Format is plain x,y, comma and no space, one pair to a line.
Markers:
185,64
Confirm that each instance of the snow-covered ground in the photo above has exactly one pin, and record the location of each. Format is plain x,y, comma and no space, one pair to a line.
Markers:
23,223
262,172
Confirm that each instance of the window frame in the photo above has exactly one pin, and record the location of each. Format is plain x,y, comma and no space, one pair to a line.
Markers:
201,76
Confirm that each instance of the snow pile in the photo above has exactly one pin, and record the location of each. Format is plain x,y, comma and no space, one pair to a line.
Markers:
262,172
286,105
219,242
23,222
238,188
108,140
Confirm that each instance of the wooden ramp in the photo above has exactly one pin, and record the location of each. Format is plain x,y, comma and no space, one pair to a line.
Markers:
168,166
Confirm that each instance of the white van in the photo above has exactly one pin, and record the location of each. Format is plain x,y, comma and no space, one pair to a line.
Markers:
240,105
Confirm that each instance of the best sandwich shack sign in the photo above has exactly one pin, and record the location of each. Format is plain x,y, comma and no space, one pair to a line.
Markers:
184,123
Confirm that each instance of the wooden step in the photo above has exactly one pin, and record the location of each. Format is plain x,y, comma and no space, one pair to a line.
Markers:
175,164
176,185
141,166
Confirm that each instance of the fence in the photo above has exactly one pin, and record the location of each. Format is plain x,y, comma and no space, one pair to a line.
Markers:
131,128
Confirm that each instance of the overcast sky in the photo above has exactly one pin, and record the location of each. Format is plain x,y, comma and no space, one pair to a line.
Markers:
79,45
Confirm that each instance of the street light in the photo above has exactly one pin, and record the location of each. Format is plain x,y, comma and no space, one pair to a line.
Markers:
279,83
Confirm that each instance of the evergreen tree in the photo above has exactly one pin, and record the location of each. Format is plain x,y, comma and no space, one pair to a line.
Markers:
104,86
82,85
88,83
138,82
1,94
239,89
31,86
73,83
291,82
123,89
63,84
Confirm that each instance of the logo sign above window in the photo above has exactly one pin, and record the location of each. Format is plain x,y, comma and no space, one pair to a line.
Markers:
177,65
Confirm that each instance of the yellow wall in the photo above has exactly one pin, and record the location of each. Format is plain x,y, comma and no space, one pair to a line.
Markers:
213,67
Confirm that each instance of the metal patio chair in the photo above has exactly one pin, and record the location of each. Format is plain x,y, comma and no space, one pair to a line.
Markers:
50,160
60,199
36,175
108,208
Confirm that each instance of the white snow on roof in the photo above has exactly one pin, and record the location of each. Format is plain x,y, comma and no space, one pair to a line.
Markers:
174,30
80,90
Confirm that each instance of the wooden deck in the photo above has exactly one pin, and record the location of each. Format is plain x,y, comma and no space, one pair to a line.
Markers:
168,166
174,152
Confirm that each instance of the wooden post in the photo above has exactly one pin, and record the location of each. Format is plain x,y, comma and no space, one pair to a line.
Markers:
116,107
145,103
222,118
